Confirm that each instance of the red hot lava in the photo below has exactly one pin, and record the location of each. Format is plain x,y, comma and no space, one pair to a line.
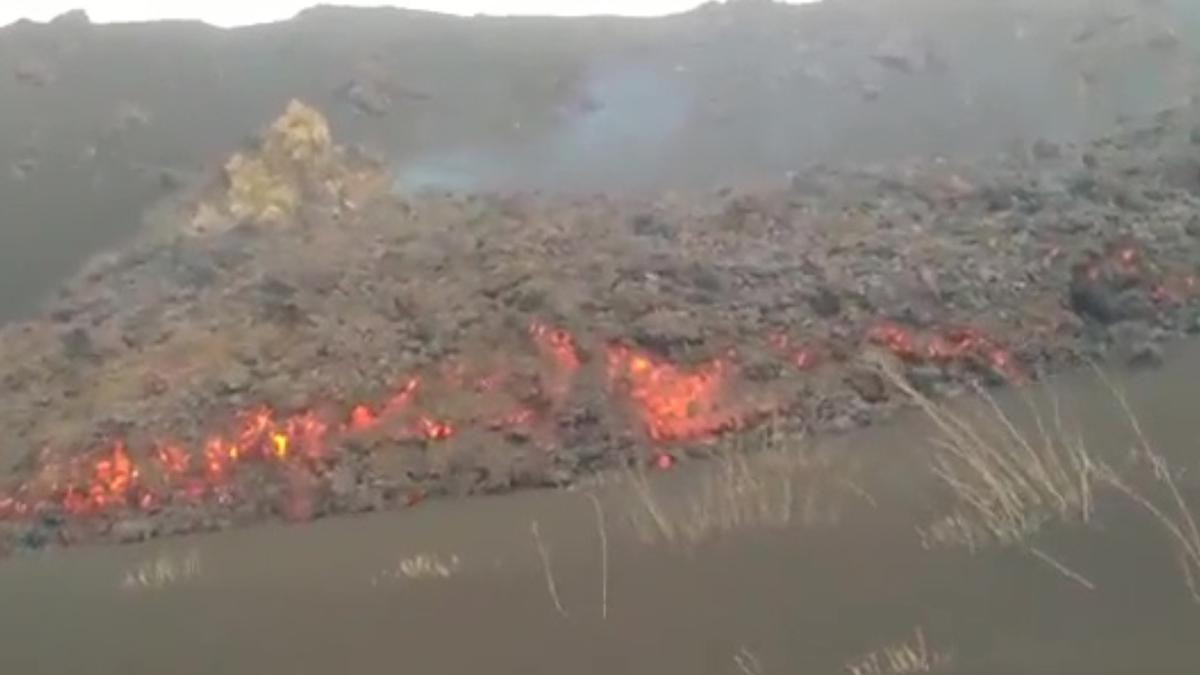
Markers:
1123,262
673,404
111,484
559,345
946,346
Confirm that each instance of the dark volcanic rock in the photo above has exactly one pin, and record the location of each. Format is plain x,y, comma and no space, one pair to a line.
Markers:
77,345
665,330
868,384
825,302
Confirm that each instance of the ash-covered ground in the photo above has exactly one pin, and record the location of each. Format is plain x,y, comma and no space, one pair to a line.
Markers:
295,339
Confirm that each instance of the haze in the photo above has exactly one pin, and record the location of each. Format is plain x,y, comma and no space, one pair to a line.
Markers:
243,13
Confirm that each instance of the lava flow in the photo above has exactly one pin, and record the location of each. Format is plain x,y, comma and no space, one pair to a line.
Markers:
559,345
113,481
945,346
672,404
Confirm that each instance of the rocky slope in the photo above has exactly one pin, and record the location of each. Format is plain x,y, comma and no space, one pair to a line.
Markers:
294,338
100,121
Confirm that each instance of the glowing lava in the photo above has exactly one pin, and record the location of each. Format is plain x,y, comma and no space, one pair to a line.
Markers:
946,346
559,345
112,483
673,404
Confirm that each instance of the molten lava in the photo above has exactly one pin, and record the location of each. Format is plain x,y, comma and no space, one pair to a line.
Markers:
111,484
673,404
559,345
947,346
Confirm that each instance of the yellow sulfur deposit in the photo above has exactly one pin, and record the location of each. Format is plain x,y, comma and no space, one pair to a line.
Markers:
296,163
257,192
301,135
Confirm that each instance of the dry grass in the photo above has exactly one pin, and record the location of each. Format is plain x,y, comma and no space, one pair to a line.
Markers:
1007,484
602,532
780,485
421,567
909,656
162,571
547,569
1166,504
747,662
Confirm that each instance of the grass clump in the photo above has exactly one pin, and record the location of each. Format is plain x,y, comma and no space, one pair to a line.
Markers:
1007,483
775,483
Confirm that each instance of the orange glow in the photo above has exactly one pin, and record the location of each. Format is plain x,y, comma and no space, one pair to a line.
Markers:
947,346
1126,257
361,418
559,345
173,459
112,481
434,430
673,404
280,442
216,456
518,418
402,398
896,338
801,357
670,402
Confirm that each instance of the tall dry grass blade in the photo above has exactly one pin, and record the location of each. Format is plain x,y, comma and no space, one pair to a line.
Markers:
1008,489
1006,483
603,531
1159,464
1037,461
1061,568
661,522
544,554
763,488
1187,547
747,662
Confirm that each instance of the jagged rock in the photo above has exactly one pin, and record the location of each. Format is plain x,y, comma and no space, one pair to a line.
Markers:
825,302
664,330
868,384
